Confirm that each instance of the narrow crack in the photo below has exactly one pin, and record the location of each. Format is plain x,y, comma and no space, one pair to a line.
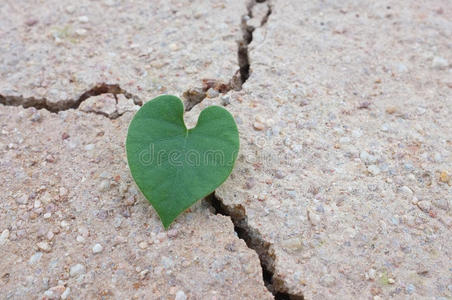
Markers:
43,103
256,242
247,38
194,96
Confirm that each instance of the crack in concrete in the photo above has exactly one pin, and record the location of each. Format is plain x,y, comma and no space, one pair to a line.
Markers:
255,242
44,103
237,213
194,96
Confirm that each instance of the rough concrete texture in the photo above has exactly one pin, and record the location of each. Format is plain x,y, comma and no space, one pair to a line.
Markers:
53,53
72,219
342,186
343,181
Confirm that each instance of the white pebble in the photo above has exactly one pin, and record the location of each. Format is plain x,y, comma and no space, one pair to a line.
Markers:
97,248
406,191
37,204
89,147
371,274
212,93
357,133
81,32
63,192
22,199
35,258
344,140
44,246
47,215
439,63
4,236
104,185
143,245
367,158
180,295
80,239
385,127
83,19
373,169
77,270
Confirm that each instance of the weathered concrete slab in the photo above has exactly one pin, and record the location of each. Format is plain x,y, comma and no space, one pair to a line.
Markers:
343,180
55,52
72,222
343,185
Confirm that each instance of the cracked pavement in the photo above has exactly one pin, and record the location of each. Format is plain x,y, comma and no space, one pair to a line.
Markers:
342,188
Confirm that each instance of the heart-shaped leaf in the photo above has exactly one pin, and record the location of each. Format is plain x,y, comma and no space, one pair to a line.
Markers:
174,166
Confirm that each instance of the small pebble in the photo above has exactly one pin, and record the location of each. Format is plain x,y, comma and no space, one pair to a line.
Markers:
37,204
410,289
44,246
63,192
258,126
47,215
226,100
143,274
54,292
406,191
385,127
439,63
35,258
77,270
36,117
143,245
391,110
89,147
279,174
81,32
314,218
180,295
31,22
373,169
328,280
104,185
367,158
22,200
97,248
424,205
172,233
80,239
212,93
444,177
4,236
83,19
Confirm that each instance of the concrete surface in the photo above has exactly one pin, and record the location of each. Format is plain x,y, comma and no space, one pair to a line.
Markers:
72,219
342,186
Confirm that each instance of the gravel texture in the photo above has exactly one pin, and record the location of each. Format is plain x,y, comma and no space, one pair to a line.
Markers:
342,188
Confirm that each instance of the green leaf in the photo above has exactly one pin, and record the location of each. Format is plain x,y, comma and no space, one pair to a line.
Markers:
174,166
